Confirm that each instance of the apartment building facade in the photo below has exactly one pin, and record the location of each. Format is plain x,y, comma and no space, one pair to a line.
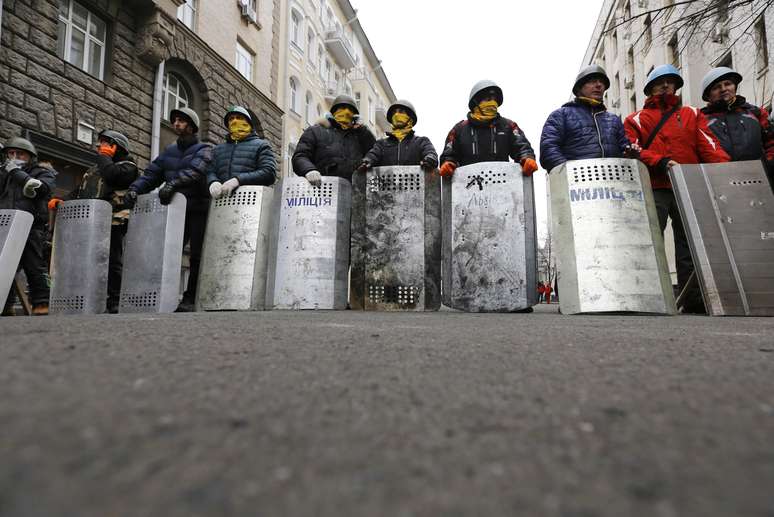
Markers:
71,68
325,52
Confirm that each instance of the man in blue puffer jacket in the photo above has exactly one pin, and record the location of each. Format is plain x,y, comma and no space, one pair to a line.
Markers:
583,128
182,167
245,159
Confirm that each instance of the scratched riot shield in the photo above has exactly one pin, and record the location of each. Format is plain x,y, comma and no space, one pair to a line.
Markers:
232,275
489,239
153,250
15,227
310,245
727,211
609,248
79,260
396,240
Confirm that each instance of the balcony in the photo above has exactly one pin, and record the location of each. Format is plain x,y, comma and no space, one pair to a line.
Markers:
340,47
331,90
362,74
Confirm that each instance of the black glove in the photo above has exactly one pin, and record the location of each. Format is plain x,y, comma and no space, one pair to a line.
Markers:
364,166
165,193
428,163
130,199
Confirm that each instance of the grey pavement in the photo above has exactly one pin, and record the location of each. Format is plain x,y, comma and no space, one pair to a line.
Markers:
394,414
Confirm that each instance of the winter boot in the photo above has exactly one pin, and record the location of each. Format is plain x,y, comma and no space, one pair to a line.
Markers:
40,309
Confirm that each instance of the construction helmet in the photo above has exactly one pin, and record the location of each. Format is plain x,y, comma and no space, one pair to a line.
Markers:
715,75
659,73
186,113
344,100
241,111
482,86
406,105
118,138
23,144
587,74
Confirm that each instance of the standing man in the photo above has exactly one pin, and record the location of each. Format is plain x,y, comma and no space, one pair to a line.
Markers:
670,134
182,167
742,129
335,145
486,136
583,128
26,185
244,159
108,180
401,146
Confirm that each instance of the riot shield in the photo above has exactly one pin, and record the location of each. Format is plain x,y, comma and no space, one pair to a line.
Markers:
232,274
609,249
489,239
15,227
727,210
150,281
310,245
396,240
79,260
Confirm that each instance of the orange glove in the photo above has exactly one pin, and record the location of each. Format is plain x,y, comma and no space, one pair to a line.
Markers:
528,166
447,169
54,203
107,149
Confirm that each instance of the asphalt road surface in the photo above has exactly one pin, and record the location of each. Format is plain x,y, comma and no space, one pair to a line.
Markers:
371,414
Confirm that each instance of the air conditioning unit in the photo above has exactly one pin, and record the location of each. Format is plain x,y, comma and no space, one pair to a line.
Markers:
247,11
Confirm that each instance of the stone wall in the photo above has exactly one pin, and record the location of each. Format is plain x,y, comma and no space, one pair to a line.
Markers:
41,92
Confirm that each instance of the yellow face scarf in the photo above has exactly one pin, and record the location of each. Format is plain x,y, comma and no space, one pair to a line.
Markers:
239,129
485,111
344,117
402,125
591,102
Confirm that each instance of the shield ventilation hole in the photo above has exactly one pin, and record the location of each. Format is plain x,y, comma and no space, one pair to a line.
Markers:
67,303
149,205
74,211
239,198
324,190
144,300
5,219
403,295
745,183
395,182
603,172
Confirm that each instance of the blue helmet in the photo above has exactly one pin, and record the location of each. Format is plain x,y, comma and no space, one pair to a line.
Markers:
663,71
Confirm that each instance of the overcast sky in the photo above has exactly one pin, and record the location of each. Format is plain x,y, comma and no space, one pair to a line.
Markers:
433,51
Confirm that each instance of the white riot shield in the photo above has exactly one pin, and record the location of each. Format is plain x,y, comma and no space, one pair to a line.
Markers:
396,240
153,250
310,245
15,227
232,274
79,260
489,239
727,211
609,249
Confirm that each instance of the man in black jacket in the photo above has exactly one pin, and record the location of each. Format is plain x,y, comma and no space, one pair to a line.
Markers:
401,146
182,167
108,180
26,185
486,136
334,146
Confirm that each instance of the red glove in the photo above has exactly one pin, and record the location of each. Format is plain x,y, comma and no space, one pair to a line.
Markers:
54,203
528,166
447,169
107,149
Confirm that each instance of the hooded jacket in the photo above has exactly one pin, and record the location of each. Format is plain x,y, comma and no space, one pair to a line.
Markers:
742,129
251,161
471,141
684,138
578,131
331,150
391,151
12,190
182,164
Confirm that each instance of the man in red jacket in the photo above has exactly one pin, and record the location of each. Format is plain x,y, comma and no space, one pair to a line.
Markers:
684,137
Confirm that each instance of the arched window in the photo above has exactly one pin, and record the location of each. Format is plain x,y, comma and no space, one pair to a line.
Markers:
310,45
295,28
308,108
319,111
176,94
293,94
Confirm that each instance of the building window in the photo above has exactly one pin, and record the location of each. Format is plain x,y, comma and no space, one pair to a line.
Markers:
647,37
244,61
295,29
308,108
762,50
673,52
293,95
727,60
310,45
81,40
320,54
176,94
186,13
371,110
319,111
